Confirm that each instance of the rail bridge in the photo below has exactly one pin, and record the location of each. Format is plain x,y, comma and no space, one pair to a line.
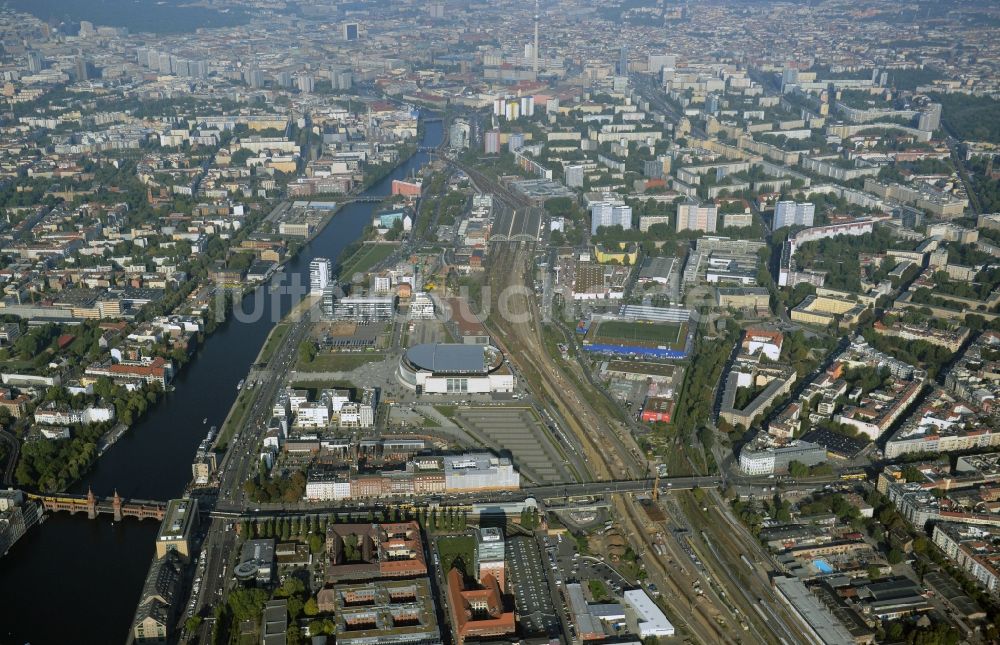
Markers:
93,506
365,199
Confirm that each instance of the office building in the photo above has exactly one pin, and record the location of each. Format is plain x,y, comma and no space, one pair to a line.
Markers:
156,616
387,612
319,275
360,308
697,217
256,562
350,31
341,79
17,515
609,213
766,460
477,614
479,471
389,550
789,213
179,521
490,554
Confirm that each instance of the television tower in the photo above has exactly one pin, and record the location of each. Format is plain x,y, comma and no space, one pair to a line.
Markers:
534,51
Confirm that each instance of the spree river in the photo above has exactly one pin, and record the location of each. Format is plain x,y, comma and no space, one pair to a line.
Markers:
74,580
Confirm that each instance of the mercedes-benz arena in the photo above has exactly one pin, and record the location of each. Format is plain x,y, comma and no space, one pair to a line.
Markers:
455,368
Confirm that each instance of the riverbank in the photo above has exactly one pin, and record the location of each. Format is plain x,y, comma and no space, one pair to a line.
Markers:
153,461
236,417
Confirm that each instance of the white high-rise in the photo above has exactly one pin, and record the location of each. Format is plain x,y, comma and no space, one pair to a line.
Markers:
697,217
791,213
609,213
319,275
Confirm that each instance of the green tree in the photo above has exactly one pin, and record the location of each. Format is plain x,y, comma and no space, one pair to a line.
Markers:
307,351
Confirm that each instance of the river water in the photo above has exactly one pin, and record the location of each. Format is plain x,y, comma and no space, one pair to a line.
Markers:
74,580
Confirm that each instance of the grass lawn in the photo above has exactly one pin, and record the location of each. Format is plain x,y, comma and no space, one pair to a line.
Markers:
339,362
658,333
365,258
236,418
458,551
598,590
273,340
447,410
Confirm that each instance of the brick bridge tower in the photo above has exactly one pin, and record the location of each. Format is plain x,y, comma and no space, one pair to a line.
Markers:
116,507
91,505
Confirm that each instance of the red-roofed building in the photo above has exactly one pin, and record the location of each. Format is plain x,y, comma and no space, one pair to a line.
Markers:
477,613
657,408
156,369
16,405
405,188
766,341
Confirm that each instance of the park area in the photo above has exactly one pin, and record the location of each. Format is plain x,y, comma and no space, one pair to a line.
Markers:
365,258
458,551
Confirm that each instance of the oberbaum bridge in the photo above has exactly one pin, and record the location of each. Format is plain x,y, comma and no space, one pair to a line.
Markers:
94,506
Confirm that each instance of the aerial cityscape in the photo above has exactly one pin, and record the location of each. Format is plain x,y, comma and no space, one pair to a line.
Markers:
548,322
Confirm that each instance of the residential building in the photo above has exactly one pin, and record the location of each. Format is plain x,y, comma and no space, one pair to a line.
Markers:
790,213
491,142
274,622
697,217
975,549
609,213
319,275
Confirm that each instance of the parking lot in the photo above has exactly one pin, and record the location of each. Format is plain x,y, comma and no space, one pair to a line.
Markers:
517,430
569,566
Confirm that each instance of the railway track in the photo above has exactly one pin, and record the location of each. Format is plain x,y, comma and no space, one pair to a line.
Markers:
753,594
515,327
